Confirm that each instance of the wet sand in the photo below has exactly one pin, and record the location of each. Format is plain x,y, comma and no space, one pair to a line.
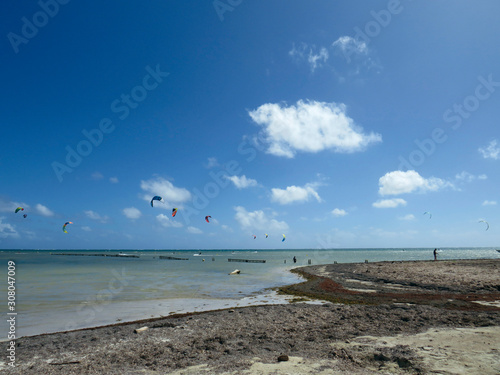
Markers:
388,317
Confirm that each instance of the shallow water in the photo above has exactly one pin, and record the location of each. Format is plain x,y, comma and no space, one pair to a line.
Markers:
61,292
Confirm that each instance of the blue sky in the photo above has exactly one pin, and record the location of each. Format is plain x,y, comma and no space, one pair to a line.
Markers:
337,124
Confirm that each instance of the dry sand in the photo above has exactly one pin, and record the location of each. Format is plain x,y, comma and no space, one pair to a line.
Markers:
394,318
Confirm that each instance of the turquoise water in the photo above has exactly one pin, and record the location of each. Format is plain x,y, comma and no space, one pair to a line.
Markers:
59,292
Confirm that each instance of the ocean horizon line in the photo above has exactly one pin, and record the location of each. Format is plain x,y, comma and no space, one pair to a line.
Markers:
265,249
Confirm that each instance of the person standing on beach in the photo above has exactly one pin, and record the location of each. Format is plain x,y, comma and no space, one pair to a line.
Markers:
435,254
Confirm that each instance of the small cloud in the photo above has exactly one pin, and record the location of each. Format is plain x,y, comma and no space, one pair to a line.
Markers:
348,46
408,217
164,188
315,60
212,163
482,177
86,229
95,216
194,230
399,182
242,182
96,176
489,203
303,52
389,203
258,220
113,180
339,212
132,213
491,151
7,230
44,211
465,176
294,194
167,221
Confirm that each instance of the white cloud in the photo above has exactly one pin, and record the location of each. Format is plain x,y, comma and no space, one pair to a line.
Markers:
489,203
315,60
86,229
258,220
294,194
167,221
389,203
132,213
399,182
242,182
304,52
347,44
7,230
468,177
407,217
339,212
194,230
95,216
310,127
113,180
465,176
491,151
212,163
164,188
97,176
44,211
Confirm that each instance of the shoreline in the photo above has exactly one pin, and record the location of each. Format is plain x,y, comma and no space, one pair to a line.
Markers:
358,337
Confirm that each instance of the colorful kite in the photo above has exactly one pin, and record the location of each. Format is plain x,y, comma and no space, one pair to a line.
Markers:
206,218
19,209
283,240
174,212
64,226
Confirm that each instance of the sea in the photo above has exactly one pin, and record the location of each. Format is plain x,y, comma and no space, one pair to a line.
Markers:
62,290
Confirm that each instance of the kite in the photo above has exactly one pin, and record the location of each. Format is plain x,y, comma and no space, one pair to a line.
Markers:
64,226
174,212
156,198
19,209
25,216
206,218
254,236
267,235
487,225
430,215
283,240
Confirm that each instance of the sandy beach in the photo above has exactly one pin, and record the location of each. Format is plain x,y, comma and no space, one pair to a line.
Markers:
421,317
